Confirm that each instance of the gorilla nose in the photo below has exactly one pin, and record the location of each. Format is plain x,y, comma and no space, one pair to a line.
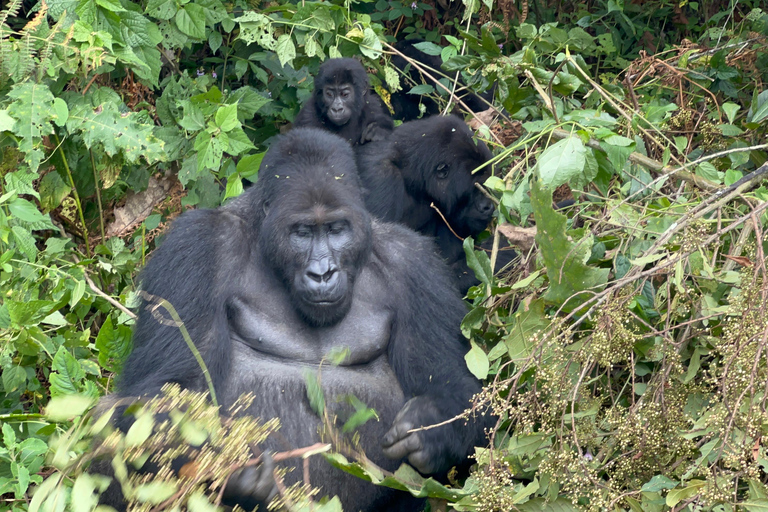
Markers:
485,207
321,278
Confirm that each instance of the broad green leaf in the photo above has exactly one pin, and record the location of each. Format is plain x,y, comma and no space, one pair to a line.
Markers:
67,373
285,49
730,110
370,45
6,121
561,163
759,108
563,256
693,488
528,320
248,166
65,407
238,141
428,48
113,344
141,429
210,149
191,20
14,378
226,117
84,498
478,261
422,89
53,191
25,211
162,9
116,132
234,187
477,361
32,108
658,483
760,505
155,492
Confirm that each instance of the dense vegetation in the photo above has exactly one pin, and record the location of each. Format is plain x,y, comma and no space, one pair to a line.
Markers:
625,353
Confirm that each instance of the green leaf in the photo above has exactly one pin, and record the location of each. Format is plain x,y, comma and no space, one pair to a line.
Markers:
477,361
562,162
161,9
759,108
422,89
66,407
528,320
730,110
238,141
760,505
214,41
478,261
428,48
563,256
248,166
140,430
694,487
114,345
226,117
155,492
67,373
25,211
315,393
14,378
285,49
116,132
25,242
32,108
191,20
6,121
84,497
359,418
210,150
53,191
659,483
371,44
234,187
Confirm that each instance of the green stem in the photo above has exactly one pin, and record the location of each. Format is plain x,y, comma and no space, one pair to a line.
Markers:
74,194
98,196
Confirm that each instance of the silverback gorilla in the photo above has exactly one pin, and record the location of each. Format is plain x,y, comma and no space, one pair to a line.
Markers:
425,162
294,268
343,103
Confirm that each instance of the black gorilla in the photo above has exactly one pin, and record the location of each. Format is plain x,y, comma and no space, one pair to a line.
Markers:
343,103
425,162
406,106
294,268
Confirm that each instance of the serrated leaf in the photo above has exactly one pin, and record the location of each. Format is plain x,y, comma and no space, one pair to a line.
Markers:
562,162
116,132
32,108
113,344
68,373
238,141
191,20
14,378
285,49
161,9
563,257
25,242
210,150
226,117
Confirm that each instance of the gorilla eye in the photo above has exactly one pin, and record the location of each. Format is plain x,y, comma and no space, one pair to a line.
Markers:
441,171
337,228
303,231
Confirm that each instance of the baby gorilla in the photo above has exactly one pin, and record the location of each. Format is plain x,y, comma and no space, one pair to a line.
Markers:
343,103
289,272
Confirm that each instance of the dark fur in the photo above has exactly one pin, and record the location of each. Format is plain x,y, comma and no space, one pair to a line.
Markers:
406,106
369,118
228,272
401,178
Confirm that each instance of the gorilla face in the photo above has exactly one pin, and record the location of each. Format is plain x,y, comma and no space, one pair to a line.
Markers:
338,101
322,286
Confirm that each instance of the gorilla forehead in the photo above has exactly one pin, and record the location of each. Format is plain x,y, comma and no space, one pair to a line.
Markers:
312,163
342,71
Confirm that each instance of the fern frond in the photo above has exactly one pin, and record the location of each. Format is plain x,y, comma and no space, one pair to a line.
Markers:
12,10
27,58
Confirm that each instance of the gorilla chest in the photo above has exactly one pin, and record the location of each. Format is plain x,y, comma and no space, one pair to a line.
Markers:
273,329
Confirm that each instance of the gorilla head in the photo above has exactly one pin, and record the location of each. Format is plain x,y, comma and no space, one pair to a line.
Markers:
339,89
316,232
439,156
343,103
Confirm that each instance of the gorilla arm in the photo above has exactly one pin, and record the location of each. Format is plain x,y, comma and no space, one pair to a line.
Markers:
426,352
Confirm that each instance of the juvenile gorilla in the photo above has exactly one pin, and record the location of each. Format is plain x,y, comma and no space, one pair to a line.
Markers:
425,162
406,106
288,272
343,103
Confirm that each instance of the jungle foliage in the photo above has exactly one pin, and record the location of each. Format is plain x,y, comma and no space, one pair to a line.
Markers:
625,351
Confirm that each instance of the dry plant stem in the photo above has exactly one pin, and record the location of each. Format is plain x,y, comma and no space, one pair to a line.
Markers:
421,68
619,108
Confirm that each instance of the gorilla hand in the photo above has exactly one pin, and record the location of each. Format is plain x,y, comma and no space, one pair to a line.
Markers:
373,133
256,482
423,449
